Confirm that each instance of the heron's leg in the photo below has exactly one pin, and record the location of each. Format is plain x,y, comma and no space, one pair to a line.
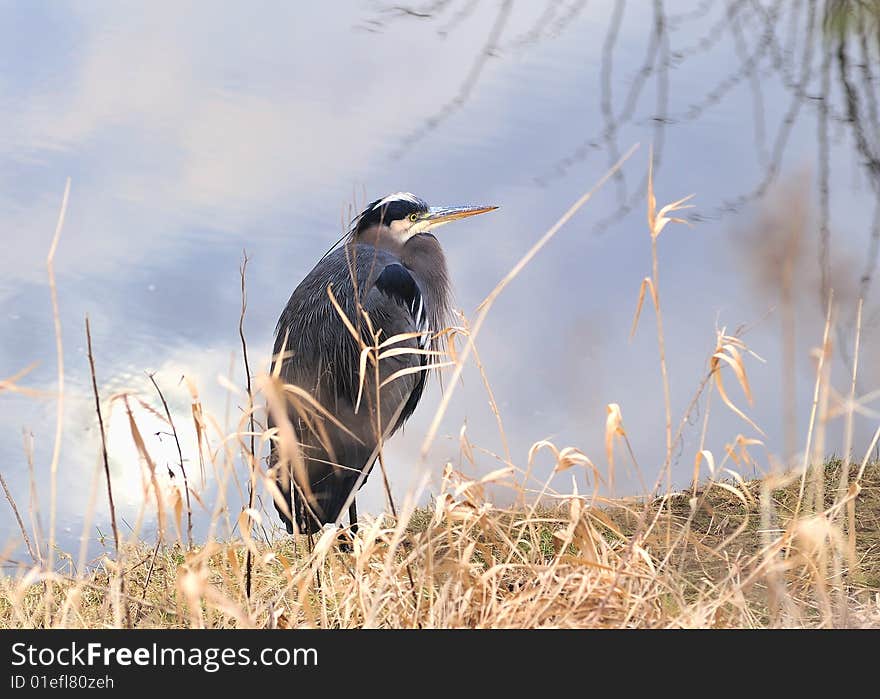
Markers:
353,517
344,545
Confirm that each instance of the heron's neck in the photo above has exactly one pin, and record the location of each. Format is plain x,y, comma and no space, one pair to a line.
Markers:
381,238
423,255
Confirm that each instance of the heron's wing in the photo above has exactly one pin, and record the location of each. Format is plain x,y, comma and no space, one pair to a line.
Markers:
398,285
396,306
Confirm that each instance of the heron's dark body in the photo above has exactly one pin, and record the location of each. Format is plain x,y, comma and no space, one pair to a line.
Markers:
320,355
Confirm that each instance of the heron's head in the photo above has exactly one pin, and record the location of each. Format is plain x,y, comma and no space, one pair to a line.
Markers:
398,217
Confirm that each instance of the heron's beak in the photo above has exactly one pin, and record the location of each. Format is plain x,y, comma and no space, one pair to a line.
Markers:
438,215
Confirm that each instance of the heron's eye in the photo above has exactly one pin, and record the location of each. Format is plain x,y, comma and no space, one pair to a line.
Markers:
413,217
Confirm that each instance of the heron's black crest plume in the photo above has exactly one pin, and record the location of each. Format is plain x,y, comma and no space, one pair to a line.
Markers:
381,211
394,207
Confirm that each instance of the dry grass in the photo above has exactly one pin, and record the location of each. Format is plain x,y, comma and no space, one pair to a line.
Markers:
478,566
797,548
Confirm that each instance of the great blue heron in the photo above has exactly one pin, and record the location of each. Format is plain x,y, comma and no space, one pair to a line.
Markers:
389,278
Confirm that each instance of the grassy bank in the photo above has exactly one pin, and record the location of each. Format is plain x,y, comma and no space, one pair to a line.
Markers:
727,555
